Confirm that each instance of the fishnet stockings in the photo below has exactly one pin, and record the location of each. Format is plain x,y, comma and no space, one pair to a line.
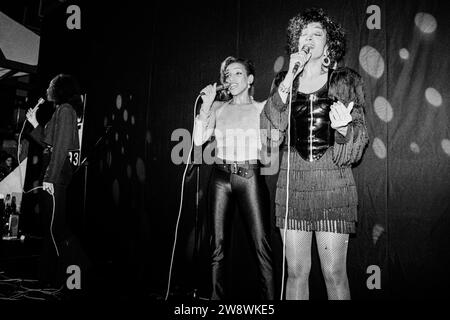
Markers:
333,257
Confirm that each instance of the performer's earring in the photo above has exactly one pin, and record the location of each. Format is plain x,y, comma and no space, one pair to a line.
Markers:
326,61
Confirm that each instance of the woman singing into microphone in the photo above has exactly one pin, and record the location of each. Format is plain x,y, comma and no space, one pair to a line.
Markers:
327,136
236,177
60,142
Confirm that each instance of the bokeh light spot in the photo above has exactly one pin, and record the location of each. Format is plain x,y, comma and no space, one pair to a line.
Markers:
404,54
425,22
140,169
446,146
433,97
379,148
371,61
278,65
383,109
119,101
414,147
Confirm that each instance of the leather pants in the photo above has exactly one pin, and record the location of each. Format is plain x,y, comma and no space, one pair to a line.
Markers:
252,198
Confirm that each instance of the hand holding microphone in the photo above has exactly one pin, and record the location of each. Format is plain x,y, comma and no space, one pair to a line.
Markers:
298,60
218,88
208,94
31,113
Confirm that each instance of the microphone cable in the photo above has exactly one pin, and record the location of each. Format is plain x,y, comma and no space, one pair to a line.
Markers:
181,203
287,188
19,150
19,147
53,216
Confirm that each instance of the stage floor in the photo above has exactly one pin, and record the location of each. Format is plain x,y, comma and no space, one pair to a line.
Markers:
19,262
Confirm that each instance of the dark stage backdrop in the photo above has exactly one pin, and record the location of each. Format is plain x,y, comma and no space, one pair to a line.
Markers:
142,68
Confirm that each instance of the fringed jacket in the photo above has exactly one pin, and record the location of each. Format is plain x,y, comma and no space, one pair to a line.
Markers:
311,132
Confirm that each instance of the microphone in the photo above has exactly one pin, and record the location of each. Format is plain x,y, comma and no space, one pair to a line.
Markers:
219,87
40,101
36,107
306,50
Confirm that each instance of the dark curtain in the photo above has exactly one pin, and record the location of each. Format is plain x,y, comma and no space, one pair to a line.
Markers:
143,68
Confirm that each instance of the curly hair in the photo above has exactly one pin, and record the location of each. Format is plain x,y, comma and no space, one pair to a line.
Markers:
334,32
249,68
65,89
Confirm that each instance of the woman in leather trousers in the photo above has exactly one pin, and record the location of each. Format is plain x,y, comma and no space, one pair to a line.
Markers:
236,178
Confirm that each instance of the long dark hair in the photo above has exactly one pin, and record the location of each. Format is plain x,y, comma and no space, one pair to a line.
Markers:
64,88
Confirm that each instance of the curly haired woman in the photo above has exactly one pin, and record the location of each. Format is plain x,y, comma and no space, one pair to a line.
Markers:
327,134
